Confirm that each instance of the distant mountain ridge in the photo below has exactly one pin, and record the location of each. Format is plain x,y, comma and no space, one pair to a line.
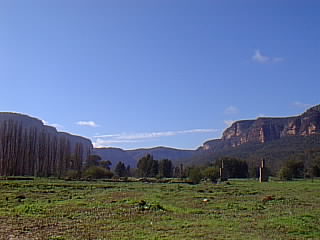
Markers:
131,157
28,147
266,129
253,135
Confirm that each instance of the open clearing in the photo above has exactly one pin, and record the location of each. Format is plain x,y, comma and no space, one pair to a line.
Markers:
243,209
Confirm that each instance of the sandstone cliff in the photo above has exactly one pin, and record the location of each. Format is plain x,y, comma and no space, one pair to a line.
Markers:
266,129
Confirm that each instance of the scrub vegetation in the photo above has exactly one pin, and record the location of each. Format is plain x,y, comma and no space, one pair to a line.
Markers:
45,208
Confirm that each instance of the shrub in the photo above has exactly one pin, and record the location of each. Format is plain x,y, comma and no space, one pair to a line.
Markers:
72,175
211,173
292,169
195,175
285,173
96,172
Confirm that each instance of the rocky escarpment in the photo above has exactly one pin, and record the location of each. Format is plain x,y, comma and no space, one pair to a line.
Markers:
26,122
266,129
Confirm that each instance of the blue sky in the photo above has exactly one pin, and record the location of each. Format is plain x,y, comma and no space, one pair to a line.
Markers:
146,73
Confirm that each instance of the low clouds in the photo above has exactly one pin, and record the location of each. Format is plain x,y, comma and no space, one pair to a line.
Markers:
301,105
105,140
228,122
55,125
87,123
231,110
261,115
100,142
260,58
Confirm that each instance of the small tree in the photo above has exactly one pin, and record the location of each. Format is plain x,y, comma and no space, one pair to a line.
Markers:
211,173
314,170
285,173
165,168
195,175
292,169
147,166
154,168
176,172
128,171
105,164
93,160
96,172
236,168
121,170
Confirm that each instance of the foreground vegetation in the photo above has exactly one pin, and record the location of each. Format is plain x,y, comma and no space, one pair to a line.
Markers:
238,209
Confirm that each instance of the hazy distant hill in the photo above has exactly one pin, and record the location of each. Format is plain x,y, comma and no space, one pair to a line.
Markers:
115,155
131,157
161,153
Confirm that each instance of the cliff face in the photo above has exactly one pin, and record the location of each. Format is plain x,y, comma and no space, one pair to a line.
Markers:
26,123
28,147
264,130
261,130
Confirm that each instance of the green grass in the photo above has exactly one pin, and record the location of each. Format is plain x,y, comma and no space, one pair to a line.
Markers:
56,209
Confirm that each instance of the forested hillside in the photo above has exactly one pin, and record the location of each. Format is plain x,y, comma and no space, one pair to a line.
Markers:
305,148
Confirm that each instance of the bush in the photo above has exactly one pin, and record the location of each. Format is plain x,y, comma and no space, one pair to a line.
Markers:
292,169
96,172
285,173
211,173
195,175
72,175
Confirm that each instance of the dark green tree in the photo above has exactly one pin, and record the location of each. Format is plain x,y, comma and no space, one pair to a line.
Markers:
96,172
105,164
195,175
211,173
121,170
143,165
128,171
154,170
236,168
147,166
285,173
93,160
165,168
176,172
292,169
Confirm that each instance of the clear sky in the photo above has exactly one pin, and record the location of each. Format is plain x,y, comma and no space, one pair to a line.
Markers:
157,72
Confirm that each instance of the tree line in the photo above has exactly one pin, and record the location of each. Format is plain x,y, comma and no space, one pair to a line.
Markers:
37,152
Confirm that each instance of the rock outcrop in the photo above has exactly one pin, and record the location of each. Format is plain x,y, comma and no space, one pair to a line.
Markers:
28,147
266,129
27,122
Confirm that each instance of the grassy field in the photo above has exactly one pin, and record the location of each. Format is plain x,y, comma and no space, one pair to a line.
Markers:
242,209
